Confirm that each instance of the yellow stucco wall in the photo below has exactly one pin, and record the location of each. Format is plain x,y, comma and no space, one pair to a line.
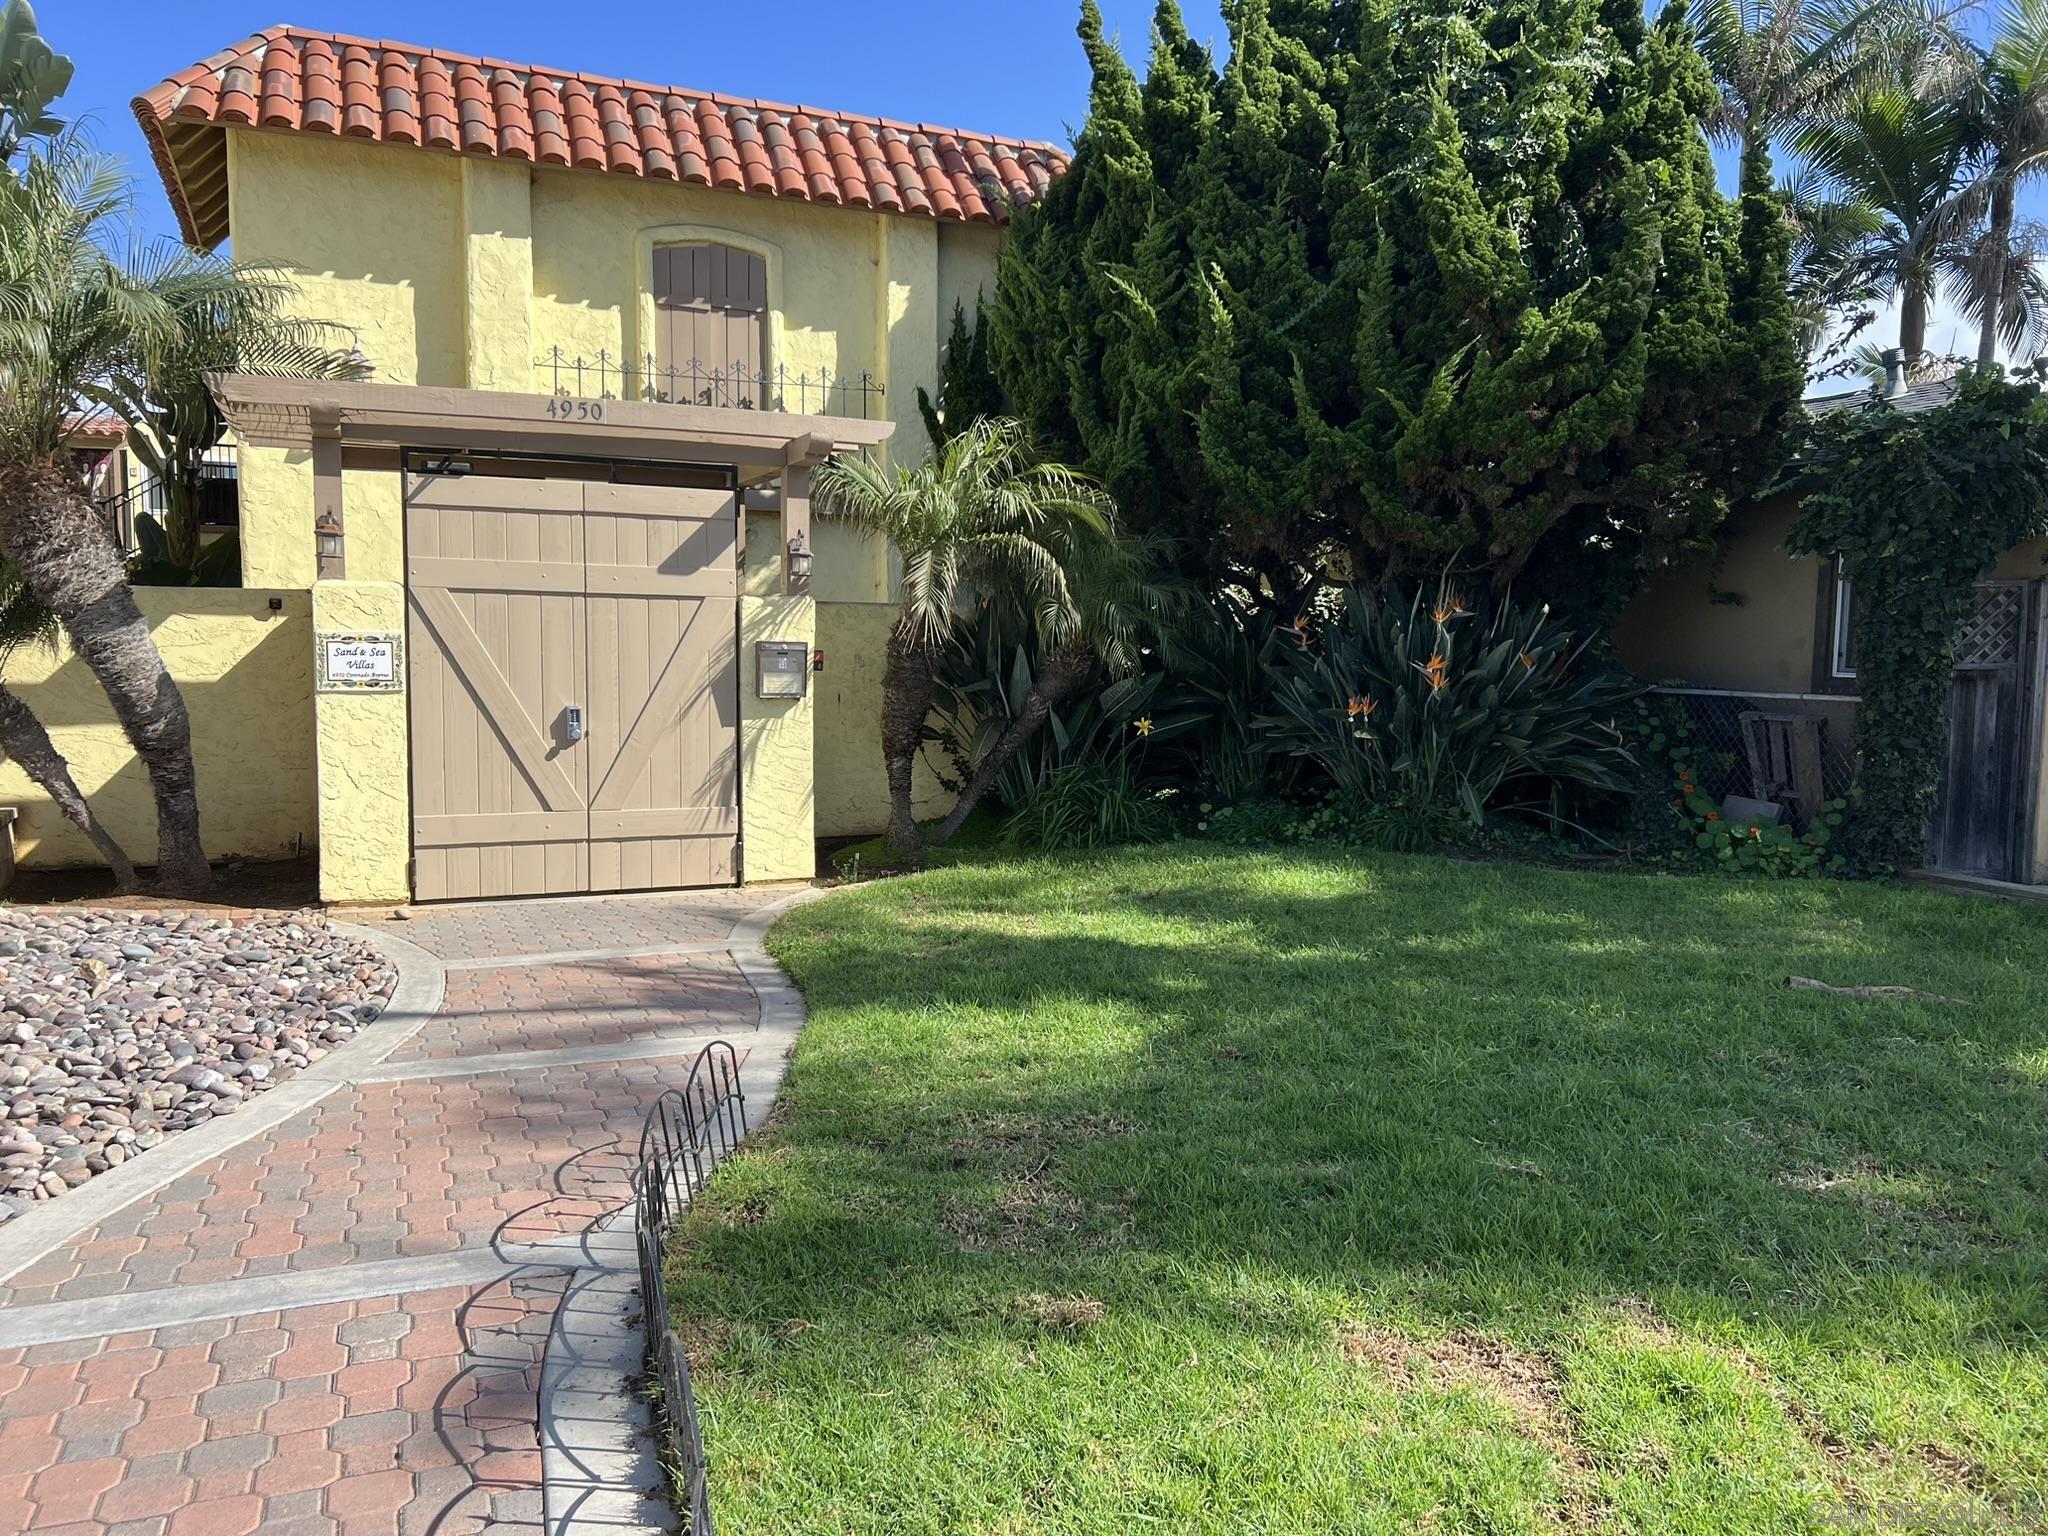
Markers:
778,793
247,678
1674,629
364,775
853,791
967,269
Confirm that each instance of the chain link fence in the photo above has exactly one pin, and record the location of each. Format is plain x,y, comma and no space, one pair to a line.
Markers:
1797,749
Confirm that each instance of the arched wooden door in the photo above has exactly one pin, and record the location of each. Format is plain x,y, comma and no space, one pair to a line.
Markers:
574,686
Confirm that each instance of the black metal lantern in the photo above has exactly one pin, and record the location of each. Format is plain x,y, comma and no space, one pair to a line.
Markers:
799,560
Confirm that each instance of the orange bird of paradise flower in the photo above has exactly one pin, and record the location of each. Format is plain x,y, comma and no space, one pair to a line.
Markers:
1361,707
1436,672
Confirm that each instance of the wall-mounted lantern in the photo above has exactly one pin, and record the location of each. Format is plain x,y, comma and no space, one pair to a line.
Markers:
327,545
799,563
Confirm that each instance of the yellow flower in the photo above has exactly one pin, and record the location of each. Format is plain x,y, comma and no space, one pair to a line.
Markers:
1143,727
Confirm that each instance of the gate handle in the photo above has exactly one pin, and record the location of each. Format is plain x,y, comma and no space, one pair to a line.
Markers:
572,722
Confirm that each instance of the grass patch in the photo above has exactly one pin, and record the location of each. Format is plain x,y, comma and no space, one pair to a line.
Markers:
1257,1192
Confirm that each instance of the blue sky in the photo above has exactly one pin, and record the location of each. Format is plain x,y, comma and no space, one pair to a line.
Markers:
1001,66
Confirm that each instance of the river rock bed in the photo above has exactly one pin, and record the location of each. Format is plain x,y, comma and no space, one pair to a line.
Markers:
118,1029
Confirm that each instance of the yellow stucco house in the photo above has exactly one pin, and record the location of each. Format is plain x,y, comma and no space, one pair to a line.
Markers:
539,606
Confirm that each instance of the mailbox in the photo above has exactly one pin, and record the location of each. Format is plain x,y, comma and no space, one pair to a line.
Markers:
782,669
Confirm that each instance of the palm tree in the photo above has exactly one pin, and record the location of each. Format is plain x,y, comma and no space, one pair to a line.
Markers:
1834,295
1782,66
1905,156
2005,103
25,621
243,326
71,322
980,516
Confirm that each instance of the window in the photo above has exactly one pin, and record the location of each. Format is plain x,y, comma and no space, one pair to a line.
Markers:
711,326
1842,638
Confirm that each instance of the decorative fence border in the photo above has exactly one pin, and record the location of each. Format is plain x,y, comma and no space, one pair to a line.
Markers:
688,1133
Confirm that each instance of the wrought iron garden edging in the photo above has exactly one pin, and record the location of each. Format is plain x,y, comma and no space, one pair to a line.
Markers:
689,1131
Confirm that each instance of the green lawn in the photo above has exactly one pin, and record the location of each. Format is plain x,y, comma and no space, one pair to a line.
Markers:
1255,1193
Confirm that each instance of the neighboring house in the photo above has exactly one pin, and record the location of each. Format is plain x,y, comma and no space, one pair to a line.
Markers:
563,631
1763,634
98,445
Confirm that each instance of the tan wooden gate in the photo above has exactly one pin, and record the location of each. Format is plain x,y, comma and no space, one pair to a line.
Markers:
574,686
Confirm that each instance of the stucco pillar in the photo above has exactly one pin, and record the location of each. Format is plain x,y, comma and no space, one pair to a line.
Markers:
497,215
363,768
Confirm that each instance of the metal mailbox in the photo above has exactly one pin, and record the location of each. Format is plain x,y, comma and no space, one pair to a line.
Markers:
782,669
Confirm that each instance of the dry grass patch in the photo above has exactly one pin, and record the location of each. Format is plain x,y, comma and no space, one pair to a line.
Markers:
1057,1314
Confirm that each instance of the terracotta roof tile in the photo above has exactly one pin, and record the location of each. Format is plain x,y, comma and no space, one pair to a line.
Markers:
94,427
294,80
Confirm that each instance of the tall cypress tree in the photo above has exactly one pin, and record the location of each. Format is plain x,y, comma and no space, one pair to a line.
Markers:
1406,284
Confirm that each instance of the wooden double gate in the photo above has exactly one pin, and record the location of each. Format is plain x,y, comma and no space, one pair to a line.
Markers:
574,685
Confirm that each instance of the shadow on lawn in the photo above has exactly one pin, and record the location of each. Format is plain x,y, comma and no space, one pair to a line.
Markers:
1442,1095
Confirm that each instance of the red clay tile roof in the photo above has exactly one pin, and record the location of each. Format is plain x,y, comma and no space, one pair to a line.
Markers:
394,93
95,427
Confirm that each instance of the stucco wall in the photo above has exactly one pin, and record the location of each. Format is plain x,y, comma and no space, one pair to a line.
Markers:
967,269
1744,621
778,794
364,778
853,791
247,678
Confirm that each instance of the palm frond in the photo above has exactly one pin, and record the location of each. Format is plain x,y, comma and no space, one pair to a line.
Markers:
980,516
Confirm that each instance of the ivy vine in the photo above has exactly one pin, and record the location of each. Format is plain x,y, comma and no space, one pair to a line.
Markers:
1918,507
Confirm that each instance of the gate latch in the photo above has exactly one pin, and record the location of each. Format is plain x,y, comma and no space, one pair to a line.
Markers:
572,722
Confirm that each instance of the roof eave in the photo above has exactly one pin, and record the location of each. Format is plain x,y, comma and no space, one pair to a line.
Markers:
204,237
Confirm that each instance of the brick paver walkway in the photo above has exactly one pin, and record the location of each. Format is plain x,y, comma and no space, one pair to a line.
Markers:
408,1407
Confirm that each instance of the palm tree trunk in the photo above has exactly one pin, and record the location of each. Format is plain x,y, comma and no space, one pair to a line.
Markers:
181,514
1061,670
23,739
906,699
67,556
1997,241
1913,321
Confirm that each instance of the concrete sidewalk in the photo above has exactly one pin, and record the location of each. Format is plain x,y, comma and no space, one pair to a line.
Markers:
332,1319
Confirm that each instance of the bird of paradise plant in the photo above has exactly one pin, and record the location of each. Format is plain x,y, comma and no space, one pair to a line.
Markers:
1464,706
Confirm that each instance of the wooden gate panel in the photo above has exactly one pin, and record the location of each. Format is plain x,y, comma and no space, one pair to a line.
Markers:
498,653
664,708
1980,820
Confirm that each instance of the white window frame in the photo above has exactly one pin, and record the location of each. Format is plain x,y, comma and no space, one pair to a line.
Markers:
1841,660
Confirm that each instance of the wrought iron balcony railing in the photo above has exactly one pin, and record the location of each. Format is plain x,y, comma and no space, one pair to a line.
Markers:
734,385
